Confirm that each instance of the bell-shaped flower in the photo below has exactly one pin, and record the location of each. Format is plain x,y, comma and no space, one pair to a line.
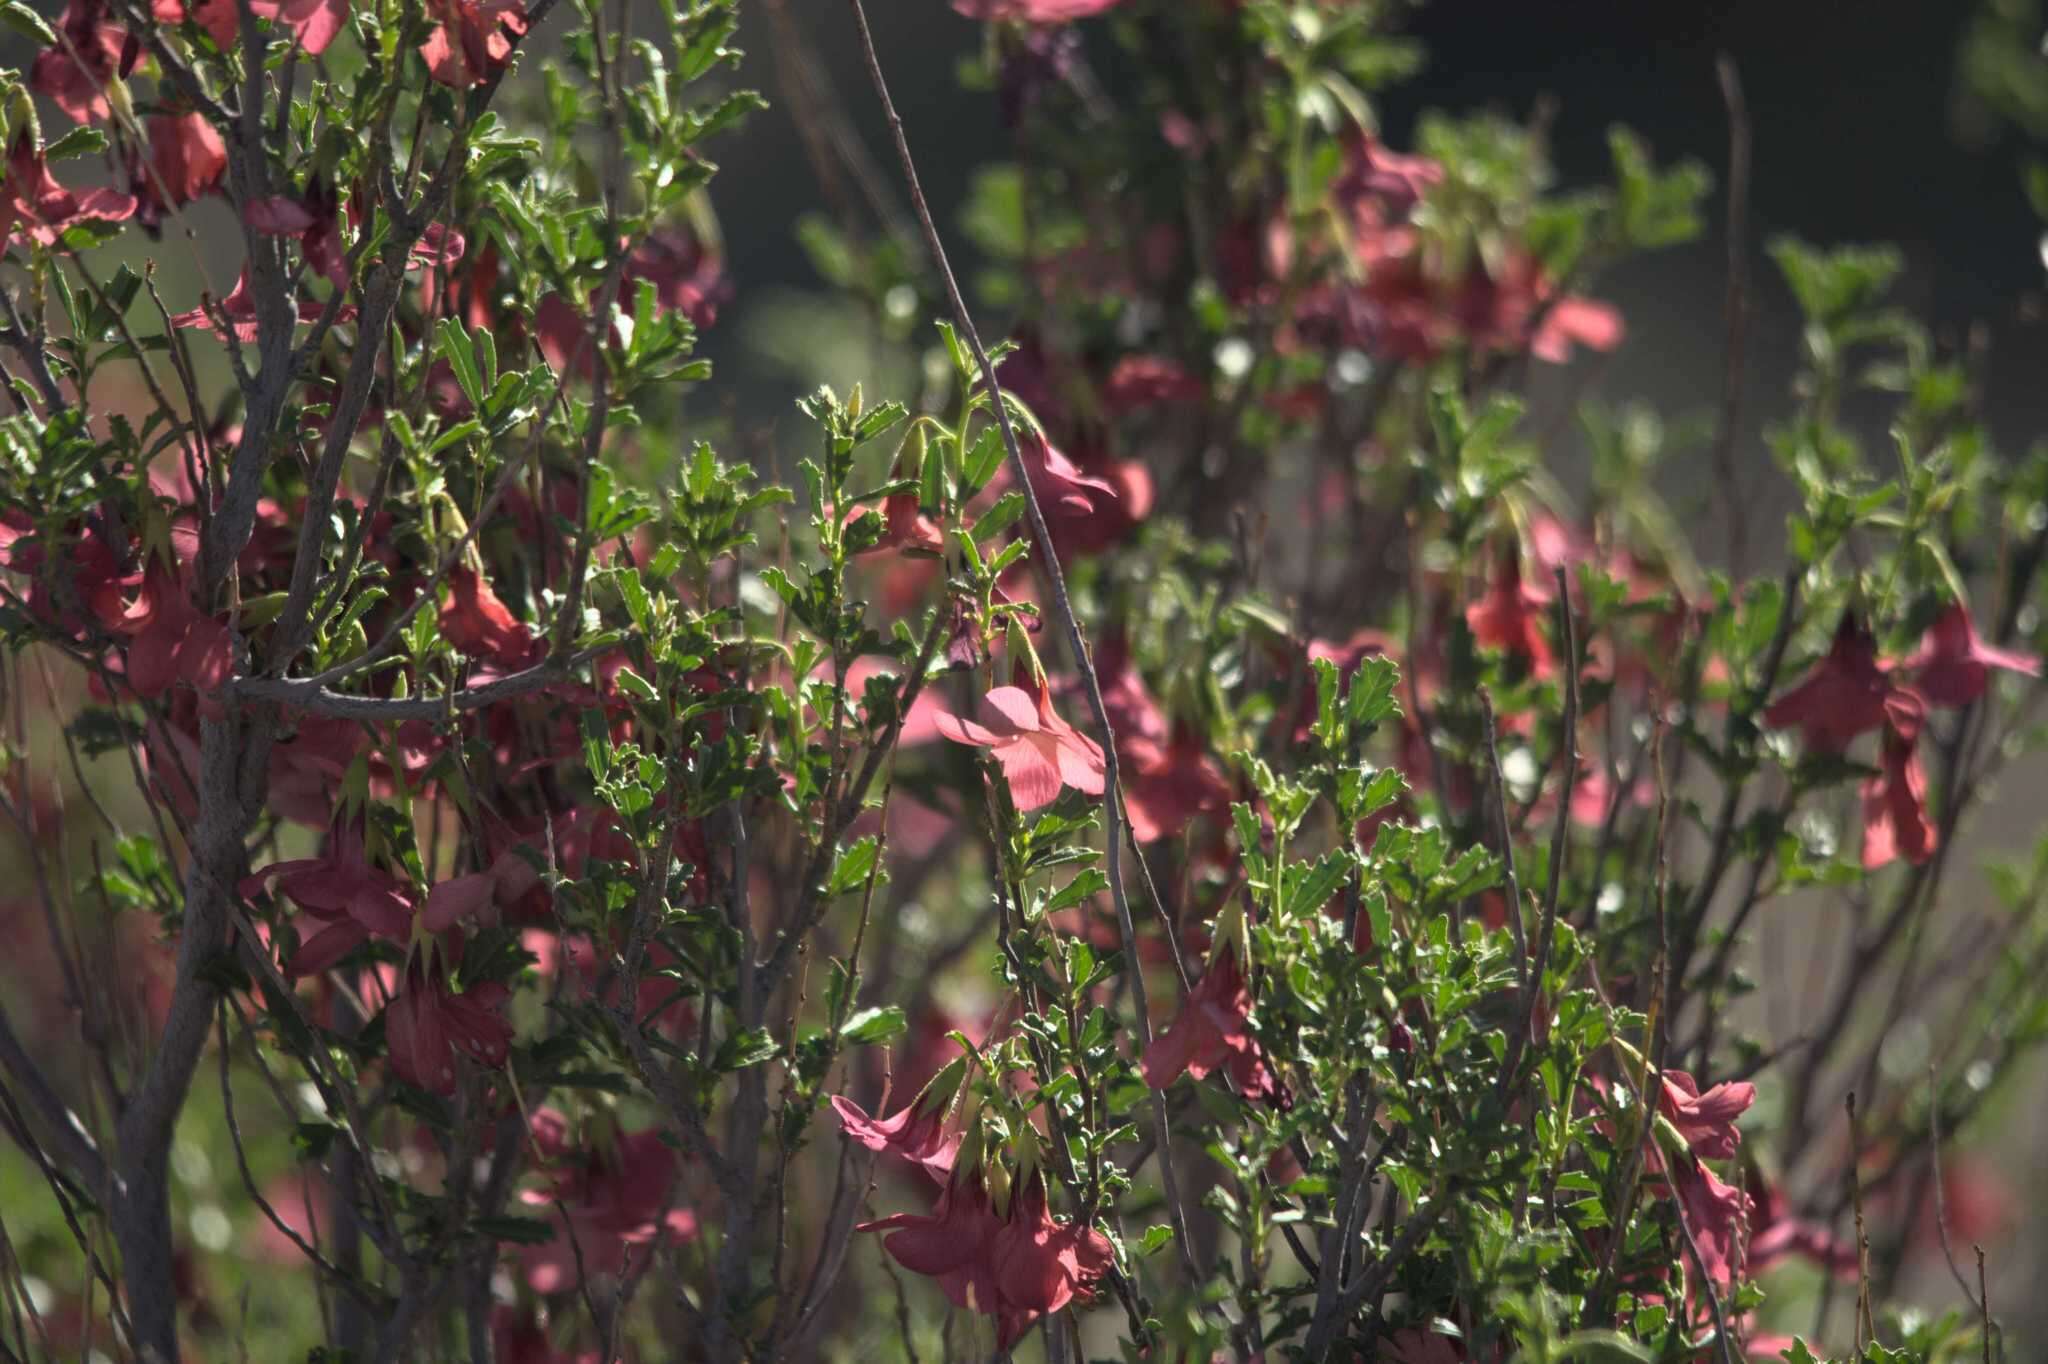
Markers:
951,1243
1037,750
1706,1121
1845,694
905,528
1953,664
472,39
315,219
237,317
1167,785
1510,616
428,1024
1214,1023
1715,1213
1040,1265
90,55
1895,822
475,621
34,205
616,1196
186,159
917,1132
354,899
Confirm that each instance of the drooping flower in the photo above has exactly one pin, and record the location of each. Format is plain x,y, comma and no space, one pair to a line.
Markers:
314,23
1846,693
90,55
1510,616
1058,481
340,887
427,1024
1032,11
33,204
1715,1213
1140,381
475,621
1037,750
918,1130
1895,822
905,528
1214,1023
238,311
187,156
1706,1121
472,39
687,275
1040,1265
171,640
1167,785
1778,1233
314,219
950,1244
615,1195
1953,664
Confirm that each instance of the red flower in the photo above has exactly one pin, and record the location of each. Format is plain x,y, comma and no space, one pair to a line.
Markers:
1168,785
1846,694
341,887
904,528
1509,617
480,625
238,309
1213,1025
1032,11
313,22
1040,1265
1574,320
473,39
89,56
1706,1121
616,1197
1776,1233
1057,481
1895,800
315,220
1038,751
687,276
951,1243
171,640
1148,381
1953,665
918,1131
33,203
1714,1213
428,1024
187,154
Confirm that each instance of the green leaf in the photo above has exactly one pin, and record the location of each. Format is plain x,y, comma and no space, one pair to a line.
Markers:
744,1049
998,518
876,1025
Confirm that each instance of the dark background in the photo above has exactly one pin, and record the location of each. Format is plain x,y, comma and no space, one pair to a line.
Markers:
1855,140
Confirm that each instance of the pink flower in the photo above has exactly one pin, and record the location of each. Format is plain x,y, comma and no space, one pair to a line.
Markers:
1706,1121
313,22
187,154
315,220
1895,800
1510,616
340,887
472,40
171,640
35,205
616,1197
1574,320
1037,750
1952,666
1394,181
1140,381
1032,11
89,56
1214,1025
1040,1265
687,276
1715,1214
428,1024
1846,694
1058,482
1776,1233
918,1131
475,621
951,1243
904,528
1168,785
238,309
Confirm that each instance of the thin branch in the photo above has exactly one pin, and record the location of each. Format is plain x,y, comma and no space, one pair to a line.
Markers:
1063,607
1733,491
